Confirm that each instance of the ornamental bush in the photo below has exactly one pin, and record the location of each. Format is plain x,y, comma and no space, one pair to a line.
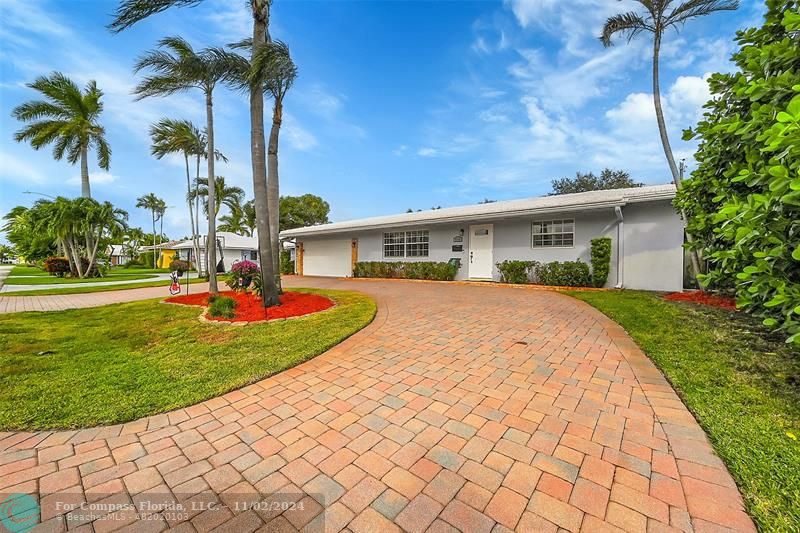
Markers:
287,264
601,260
562,274
242,275
57,266
515,271
743,201
180,265
222,306
428,270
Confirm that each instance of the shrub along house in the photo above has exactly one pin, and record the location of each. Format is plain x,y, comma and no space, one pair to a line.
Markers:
645,231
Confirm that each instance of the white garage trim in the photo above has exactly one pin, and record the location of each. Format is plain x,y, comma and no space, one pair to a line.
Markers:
327,258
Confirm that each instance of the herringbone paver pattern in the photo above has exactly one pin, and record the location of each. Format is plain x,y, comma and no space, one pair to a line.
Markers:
474,409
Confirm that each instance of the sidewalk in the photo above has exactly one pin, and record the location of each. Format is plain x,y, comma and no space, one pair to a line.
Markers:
60,302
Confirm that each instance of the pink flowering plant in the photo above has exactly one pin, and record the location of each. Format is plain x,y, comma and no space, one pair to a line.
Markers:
242,275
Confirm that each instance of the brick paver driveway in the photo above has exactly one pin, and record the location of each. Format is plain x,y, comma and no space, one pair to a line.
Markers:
459,408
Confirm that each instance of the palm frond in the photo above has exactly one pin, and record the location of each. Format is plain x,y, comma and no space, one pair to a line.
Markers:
129,12
103,151
629,24
698,8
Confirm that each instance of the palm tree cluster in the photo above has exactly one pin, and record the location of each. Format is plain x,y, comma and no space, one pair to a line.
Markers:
80,228
177,67
157,208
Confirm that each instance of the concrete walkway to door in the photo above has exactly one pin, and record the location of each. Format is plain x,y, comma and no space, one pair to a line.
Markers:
460,408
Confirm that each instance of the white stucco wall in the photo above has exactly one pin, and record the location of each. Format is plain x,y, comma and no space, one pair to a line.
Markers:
653,257
653,247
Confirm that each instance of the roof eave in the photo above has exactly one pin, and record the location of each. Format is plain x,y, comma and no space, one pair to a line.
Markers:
608,204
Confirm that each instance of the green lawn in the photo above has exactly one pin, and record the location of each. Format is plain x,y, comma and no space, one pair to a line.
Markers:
22,270
53,280
742,385
118,363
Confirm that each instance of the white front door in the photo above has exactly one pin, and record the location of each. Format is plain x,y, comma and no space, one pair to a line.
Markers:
481,251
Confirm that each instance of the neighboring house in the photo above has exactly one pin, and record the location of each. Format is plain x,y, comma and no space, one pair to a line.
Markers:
115,256
647,237
231,248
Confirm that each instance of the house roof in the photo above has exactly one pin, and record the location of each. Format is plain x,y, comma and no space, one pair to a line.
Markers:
504,209
230,241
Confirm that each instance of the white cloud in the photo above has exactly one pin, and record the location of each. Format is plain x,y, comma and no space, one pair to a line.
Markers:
427,151
95,178
400,150
298,137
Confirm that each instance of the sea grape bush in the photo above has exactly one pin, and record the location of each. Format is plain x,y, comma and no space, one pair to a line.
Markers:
743,200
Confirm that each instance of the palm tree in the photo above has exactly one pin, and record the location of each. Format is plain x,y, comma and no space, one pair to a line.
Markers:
228,195
68,119
180,136
234,222
152,203
162,208
177,68
658,16
249,217
279,72
129,13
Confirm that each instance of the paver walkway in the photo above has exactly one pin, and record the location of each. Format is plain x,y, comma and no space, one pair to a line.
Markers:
479,409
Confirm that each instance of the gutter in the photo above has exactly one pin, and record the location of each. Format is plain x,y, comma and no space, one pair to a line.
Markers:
620,247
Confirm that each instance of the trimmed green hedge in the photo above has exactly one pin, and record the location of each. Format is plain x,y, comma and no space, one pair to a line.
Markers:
601,260
428,270
563,274
515,271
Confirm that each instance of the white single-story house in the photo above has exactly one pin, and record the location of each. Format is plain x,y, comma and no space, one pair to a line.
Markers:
231,248
647,237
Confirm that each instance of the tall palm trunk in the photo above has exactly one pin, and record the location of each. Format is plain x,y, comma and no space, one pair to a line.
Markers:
86,191
153,217
273,192
197,217
269,295
191,211
662,129
211,242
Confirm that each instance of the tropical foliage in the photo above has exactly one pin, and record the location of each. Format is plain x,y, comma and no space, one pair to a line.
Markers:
67,119
584,182
80,228
562,274
743,201
657,18
21,231
228,195
176,67
304,210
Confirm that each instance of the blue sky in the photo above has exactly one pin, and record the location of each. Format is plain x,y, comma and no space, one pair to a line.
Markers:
397,104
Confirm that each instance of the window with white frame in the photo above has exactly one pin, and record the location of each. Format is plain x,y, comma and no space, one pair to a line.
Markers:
406,243
553,233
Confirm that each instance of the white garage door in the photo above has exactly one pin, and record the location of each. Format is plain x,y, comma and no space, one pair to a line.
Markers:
327,258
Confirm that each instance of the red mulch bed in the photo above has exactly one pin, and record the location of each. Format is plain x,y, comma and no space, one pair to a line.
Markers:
248,305
703,298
